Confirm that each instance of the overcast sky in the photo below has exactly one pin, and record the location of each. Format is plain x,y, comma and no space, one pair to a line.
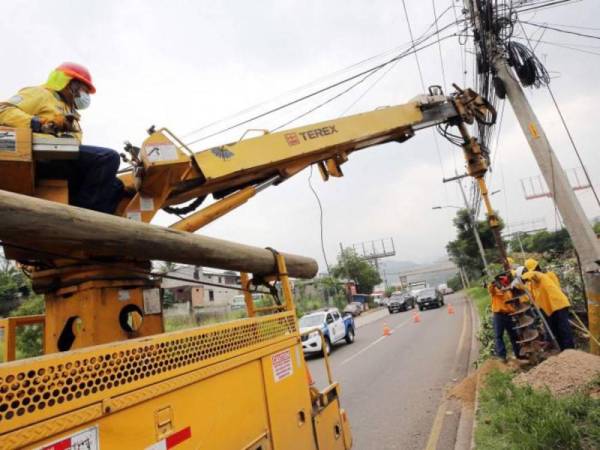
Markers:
185,64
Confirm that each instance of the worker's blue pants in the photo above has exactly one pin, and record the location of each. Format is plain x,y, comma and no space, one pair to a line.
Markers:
501,323
560,326
92,179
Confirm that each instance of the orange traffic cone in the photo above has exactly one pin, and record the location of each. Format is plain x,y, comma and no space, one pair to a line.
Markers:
416,317
450,309
386,330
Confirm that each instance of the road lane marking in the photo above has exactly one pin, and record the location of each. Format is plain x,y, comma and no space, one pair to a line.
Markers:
438,422
375,342
436,429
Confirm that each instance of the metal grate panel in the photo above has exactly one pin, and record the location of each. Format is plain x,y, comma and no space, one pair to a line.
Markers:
40,388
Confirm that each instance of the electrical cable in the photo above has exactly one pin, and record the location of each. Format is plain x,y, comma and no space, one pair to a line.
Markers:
528,67
583,167
547,27
581,27
320,216
556,44
371,86
311,83
360,81
568,131
312,94
412,39
439,45
329,100
526,7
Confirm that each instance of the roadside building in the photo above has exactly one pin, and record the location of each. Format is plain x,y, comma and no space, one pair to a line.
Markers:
188,295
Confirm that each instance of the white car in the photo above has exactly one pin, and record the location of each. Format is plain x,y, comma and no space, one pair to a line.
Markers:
444,289
335,328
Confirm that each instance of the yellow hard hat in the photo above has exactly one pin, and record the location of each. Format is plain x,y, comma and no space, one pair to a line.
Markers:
510,260
531,264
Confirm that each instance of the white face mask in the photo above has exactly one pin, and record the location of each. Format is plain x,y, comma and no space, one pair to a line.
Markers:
82,100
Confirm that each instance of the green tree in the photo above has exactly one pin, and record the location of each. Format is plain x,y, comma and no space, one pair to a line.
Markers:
351,267
14,286
553,243
464,252
29,337
455,283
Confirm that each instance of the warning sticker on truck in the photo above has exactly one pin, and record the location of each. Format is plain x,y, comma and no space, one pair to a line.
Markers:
160,152
8,141
83,440
282,365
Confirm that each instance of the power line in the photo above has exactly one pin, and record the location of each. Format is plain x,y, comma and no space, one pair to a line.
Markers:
329,100
581,27
316,81
320,216
317,92
543,5
548,27
439,45
412,40
562,45
568,131
360,81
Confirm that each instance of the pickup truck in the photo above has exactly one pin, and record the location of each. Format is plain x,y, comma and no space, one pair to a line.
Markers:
335,328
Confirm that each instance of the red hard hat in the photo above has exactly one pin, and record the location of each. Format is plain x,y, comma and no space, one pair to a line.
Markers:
78,72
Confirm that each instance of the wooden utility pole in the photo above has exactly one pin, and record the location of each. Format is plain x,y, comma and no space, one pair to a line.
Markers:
89,235
579,228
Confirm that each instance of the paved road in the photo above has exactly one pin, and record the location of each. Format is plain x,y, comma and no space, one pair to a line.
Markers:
392,387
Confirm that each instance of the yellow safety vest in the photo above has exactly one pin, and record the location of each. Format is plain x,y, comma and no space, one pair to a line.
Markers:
499,298
37,101
547,294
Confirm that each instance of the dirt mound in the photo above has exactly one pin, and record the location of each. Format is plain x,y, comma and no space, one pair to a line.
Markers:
564,373
466,389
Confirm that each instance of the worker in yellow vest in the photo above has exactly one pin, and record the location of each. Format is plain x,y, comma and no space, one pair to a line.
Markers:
53,108
532,265
554,304
499,292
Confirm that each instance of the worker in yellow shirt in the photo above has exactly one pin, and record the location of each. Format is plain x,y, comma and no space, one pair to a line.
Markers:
533,265
501,318
554,304
53,108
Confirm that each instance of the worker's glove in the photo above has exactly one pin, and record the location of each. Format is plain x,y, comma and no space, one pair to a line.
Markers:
40,126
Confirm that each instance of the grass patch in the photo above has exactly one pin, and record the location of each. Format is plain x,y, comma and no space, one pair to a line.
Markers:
512,417
481,299
174,323
485,334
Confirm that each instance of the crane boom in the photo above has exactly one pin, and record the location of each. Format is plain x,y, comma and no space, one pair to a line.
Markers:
169,173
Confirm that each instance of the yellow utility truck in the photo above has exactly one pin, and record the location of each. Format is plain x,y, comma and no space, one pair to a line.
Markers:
109,376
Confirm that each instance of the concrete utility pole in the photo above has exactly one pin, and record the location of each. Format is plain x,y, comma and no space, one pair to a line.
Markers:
579,228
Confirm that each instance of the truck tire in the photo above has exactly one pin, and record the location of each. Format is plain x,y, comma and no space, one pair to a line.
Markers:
350,336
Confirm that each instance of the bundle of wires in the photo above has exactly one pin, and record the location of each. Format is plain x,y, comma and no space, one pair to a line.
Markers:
530,70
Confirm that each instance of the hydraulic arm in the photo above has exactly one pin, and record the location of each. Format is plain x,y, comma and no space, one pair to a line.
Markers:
166,172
